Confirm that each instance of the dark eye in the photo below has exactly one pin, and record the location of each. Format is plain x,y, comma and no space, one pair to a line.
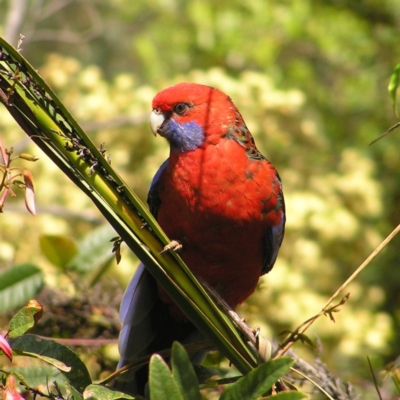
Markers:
181,108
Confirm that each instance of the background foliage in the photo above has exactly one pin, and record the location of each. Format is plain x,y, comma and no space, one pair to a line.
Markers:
310,79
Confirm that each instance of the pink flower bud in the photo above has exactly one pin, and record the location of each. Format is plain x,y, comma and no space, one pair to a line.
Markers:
5,347
11,392
29,192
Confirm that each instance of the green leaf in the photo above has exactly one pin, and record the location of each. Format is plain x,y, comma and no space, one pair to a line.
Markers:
59,250
162,383
204,373
289,396
305,340
25,319
393,85
259,381
49,360
72,393
94,250
35,375
96,392
47,350
18,285
184,374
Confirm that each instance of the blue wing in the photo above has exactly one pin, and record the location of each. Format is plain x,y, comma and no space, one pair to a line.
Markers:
138,328
147,326
153,199
139,298
273,237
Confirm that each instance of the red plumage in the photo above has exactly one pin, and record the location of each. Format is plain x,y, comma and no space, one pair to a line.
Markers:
217,195
219,199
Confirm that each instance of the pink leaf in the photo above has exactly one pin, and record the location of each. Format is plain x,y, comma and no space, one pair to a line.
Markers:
29,192
5,347
11,392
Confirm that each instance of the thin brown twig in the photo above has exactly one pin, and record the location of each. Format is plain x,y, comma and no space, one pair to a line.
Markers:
297,334
385,242
313,382
392,128
85,342
374,378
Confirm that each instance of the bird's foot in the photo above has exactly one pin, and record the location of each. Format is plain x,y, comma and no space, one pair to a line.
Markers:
262,345
241,324
174,245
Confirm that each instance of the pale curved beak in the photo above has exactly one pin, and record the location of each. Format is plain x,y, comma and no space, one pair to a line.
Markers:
156,120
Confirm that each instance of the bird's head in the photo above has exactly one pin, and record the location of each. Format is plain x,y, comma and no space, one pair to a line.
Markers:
189,115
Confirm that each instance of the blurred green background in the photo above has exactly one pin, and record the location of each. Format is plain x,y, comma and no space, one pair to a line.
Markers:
310,79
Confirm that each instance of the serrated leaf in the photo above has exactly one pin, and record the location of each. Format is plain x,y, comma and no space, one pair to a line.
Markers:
259,381
393,86
96,392
25,319
93,250
162,383
18,285
59,250
289,396
41,348
183,373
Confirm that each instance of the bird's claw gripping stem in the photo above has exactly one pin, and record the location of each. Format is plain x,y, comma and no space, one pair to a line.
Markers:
262,345
174,245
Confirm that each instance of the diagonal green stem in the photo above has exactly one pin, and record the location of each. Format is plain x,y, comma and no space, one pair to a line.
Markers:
43,117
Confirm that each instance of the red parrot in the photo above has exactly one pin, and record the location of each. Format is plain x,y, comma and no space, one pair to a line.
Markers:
220,198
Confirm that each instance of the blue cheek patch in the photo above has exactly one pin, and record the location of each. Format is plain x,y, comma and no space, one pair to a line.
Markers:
183,137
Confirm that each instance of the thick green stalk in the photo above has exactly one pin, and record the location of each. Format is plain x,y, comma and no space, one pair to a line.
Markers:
43,117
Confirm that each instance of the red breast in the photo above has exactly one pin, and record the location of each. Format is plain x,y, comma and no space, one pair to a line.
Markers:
219,203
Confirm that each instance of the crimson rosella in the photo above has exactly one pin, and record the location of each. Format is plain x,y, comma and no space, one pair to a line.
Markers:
220,198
